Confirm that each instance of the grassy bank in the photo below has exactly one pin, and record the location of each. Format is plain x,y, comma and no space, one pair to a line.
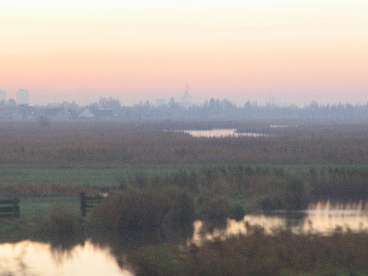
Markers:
59,176
32,212
214,192
12,176
213,188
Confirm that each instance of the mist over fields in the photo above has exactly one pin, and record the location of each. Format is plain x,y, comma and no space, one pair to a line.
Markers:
183,109
183,137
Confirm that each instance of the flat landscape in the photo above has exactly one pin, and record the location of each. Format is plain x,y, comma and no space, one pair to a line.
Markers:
163,184
185,138
113,144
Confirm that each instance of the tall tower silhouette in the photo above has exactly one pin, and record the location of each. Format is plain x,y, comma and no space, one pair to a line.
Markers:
186,98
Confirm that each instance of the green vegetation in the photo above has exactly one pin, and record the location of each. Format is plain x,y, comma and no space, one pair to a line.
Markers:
144,201
34,213
134,213
218,192
160,182
55,181
223,191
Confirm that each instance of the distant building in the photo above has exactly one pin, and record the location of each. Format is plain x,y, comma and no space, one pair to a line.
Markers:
186,99
22,97
103,113
161,102
86,114
24,112
57,113
2,96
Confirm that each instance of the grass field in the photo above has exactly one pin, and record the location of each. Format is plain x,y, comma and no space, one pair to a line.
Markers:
31,207
111,176
57,176
41,187
36,181
267,186
32,210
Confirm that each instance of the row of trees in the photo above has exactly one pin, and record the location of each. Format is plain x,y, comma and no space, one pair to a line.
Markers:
226,110
220,109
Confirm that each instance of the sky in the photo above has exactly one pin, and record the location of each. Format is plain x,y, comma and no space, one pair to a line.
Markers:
282,51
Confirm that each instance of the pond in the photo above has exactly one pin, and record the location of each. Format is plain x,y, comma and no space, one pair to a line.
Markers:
42,259
221,133
320,218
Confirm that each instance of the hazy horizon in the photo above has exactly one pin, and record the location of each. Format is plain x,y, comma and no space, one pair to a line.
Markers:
178,98
278,51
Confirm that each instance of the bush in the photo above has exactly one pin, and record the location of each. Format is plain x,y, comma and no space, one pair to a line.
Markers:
293,194
182,210
215,209
237,211
144,211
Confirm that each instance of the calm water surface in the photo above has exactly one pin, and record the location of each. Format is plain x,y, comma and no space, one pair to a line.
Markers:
320,218
41,259
222,133
28,258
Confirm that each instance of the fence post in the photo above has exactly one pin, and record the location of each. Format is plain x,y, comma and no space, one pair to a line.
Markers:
16,208
83,204
9,208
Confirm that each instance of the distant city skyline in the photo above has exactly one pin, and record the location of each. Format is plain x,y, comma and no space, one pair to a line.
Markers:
177,95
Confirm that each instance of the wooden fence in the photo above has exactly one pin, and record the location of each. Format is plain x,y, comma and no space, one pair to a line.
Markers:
87,203
9,208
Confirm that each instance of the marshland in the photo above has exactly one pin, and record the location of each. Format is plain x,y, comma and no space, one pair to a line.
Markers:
183,138
289,201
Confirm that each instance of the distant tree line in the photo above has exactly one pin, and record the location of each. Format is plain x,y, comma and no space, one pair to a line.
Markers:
212,109
223,109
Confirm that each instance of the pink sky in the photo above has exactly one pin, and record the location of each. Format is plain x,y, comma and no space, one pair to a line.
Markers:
286,51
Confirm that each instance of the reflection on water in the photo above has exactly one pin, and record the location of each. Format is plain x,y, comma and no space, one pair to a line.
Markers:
326,217
40,259
221,133
323,218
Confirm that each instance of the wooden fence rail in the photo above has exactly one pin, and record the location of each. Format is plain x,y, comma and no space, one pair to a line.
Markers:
87,203
9,208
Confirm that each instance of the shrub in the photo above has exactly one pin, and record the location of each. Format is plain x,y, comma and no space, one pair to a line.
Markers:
215,209
144,211
237,211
